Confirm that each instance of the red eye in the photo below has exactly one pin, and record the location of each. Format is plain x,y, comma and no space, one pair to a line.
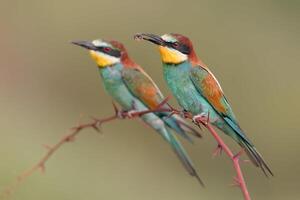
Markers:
176,44
106,49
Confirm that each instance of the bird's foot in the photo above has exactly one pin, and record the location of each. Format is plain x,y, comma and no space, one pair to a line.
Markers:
218,151
185,114
182,113
202,118
131,114
121,114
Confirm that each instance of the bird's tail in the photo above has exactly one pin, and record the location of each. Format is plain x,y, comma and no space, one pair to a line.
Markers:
256,157
249,148
182,155
181,127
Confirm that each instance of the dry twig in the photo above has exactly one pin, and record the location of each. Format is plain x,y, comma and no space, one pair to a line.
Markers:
95,124
239,180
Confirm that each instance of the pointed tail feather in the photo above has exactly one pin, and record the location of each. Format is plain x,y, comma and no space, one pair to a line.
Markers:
171,123
249,148
181,127
183,156
186,126
256,158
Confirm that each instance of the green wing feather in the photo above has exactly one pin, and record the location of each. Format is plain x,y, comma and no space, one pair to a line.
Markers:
207,85
144,88
210,89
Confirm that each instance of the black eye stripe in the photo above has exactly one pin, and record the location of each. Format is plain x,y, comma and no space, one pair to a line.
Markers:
184,49
178,46
111,52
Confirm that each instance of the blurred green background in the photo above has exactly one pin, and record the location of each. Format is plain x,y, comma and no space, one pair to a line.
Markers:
46,84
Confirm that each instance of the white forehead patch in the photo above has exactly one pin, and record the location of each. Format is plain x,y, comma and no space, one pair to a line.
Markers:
100,43
168,38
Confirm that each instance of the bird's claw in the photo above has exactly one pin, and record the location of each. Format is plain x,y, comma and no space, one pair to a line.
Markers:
184,114
202,118
121,114
130,114
126,114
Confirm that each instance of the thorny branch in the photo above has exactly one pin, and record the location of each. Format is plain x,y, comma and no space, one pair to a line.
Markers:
96,125
239,180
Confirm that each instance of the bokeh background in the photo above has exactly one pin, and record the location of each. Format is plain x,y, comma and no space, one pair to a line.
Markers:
46,84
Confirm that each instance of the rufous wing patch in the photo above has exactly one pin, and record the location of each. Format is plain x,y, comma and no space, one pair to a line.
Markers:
148,95
213,93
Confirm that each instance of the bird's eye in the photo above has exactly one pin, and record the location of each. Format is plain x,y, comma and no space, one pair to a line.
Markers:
176,44
106,49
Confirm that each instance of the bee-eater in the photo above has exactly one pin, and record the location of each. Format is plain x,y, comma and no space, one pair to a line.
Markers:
132,88
198,91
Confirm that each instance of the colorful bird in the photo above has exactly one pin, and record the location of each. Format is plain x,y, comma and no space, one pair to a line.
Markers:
129,85
198,91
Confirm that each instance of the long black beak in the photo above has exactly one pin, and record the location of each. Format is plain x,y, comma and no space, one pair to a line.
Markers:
85,44
151,38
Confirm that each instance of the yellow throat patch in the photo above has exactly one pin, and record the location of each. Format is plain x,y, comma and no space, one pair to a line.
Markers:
171,55
102,59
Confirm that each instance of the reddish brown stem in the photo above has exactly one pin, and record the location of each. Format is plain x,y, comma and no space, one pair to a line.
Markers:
235,159
52,149
239,179
95,124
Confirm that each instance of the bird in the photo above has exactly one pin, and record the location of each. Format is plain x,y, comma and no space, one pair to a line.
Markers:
198,91
134,90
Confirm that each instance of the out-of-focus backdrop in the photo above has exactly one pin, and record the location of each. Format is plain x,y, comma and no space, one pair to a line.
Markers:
46,84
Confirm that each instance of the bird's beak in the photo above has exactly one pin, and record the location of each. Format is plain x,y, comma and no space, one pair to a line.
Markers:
155,39
85,44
